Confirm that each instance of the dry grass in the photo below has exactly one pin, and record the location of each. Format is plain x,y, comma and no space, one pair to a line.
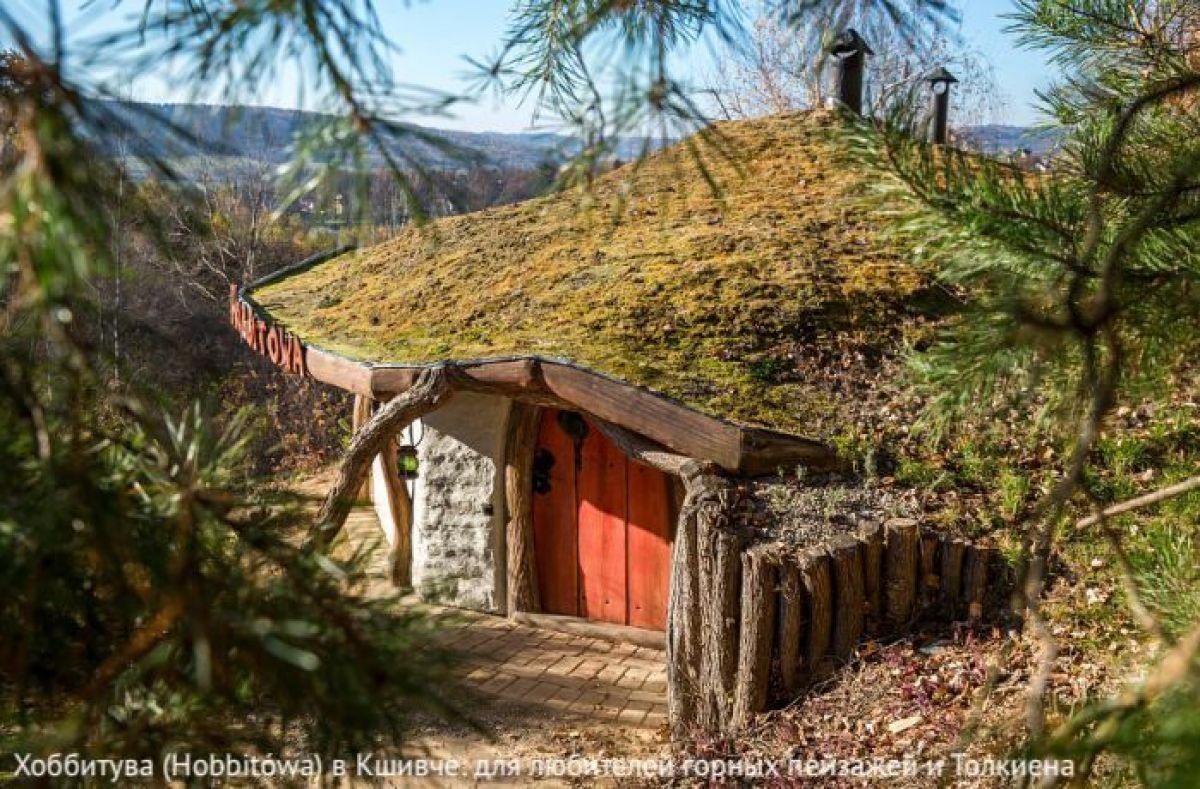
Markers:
651,278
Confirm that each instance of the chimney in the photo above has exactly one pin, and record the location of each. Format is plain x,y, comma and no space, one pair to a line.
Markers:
849,52
939,82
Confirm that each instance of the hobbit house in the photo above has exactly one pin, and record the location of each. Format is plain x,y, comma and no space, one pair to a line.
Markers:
567,402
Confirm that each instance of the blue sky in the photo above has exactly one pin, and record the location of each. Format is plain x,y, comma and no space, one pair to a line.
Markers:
435,36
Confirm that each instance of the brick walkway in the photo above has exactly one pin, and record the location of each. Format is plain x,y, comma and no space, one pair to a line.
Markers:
541,675
554,675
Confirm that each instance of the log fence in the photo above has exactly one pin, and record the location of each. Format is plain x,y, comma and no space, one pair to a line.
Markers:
775,619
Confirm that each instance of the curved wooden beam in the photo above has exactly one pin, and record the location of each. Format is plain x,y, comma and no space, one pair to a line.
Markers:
430,391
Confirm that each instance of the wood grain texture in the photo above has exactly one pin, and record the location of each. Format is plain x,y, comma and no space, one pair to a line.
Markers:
873,546
684,689
818,587
718,552
759,593
602,489
519,443
953,551
900,570
400,558
648,539
555,522
791,626
849,593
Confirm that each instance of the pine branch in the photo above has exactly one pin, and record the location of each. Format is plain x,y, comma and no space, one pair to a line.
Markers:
1155,497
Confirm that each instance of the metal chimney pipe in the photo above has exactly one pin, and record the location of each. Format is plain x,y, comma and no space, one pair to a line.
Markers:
850,52
939,82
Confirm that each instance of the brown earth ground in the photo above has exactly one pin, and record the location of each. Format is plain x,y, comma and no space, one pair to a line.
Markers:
532,694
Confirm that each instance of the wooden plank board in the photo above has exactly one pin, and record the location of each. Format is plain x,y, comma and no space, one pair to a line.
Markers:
602,487
554,523
649,541
671,424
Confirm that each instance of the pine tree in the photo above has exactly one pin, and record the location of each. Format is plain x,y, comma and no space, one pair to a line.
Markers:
1082,293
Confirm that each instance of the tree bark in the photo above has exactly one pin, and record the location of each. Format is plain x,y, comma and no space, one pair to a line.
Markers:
900,570
791,625
360,416
952,566
849,596
873,544
928,572
519,446
759,589
683,625
718,549
430,391
818,587
975,581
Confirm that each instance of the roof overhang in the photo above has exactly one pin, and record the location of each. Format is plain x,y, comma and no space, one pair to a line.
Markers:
553,382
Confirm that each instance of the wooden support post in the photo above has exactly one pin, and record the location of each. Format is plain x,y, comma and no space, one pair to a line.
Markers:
873,544
363,407
849,593
818,587
900,570
791,624
401,512
759,589
928,572
952,567
718,552
519,445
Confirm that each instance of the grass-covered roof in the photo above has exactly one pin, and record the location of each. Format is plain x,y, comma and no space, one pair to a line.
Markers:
710,298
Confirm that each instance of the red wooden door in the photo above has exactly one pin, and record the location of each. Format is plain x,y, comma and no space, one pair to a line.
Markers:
601,527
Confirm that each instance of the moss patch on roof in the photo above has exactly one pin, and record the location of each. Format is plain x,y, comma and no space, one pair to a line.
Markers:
650,278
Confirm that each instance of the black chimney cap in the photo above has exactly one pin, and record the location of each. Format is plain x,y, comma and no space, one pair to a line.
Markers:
848,43
940,74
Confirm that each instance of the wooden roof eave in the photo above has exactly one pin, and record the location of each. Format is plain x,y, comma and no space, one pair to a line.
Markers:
558,383
562,384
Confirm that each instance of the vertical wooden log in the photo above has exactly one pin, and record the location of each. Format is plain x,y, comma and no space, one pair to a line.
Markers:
519,444
849,594
975,564
818,587
928,572
759,589
900,570
704,606
361,412
952,567
400,506
873,544
791,624
719,550
683,624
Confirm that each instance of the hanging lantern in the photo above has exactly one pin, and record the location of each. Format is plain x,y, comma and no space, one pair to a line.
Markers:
407,463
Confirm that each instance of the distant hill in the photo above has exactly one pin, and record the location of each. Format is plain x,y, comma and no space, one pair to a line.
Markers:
186,131
998,138
188,135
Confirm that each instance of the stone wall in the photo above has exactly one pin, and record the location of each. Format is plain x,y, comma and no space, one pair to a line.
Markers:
458,503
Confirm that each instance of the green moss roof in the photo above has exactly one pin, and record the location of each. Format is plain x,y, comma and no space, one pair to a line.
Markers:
651,278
